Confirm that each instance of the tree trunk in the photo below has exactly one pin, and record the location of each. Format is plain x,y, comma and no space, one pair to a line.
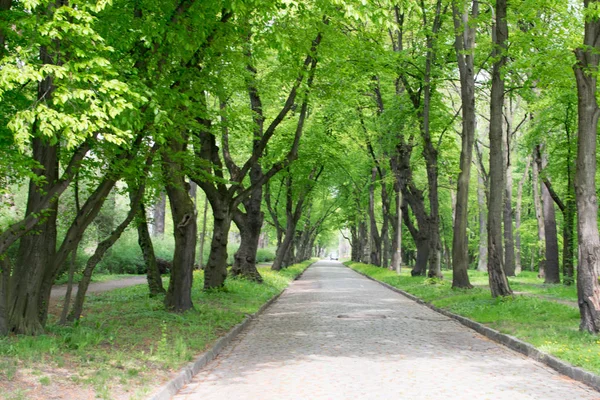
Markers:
423,249
464,43
183,211
518,264
551,236
215,271
539,215
569,217
155,285
72,265
396,264
158,215
588,288
5,270
249,224
67,301
203,234
509,243
36,251
375,238
101,250
482,265
498,282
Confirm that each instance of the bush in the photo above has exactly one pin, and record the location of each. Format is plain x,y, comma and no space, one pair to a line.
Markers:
266,255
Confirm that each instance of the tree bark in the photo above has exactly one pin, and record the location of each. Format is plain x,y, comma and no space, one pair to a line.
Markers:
155,285
588,288
551,254
5,269
482,264
203,234
539,215
518,264
183,212
250,224
509,242
158,215
72,265
498,282
215,271
396,263
375,238
464,45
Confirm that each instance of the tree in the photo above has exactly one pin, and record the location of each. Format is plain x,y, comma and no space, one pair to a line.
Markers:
586,69
464,45
498,282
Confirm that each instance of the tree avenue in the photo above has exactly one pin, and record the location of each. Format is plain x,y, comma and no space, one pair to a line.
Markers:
435,135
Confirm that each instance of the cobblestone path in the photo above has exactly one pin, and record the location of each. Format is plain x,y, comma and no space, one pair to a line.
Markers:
337,335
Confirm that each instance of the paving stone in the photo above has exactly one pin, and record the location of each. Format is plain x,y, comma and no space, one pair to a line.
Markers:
336,335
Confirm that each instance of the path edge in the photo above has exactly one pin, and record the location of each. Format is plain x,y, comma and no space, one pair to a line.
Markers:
185,375
527,349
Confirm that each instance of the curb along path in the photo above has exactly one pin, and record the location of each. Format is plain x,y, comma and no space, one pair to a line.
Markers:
334,334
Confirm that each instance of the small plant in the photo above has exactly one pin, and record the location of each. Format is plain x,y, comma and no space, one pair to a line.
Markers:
44,380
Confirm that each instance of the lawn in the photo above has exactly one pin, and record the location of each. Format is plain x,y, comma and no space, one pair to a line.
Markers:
126,343
537,317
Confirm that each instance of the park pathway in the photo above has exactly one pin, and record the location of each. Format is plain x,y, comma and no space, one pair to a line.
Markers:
337,335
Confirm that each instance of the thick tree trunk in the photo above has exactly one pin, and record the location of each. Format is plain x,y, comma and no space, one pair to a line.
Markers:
423,249
36,252
588,288
215,271
155,285
482,265
5,270
539,215
498,282
250,225
551,236
183,211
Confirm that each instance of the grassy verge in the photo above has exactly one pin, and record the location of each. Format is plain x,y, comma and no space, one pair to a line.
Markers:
547,324
126,343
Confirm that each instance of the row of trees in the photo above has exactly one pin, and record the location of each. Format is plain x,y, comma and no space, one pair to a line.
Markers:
301,117
457,84
146,97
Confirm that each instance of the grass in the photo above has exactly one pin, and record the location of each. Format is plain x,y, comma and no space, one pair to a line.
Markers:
63,280
127,339
535,318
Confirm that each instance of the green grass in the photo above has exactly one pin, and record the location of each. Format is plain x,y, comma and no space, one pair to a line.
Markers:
535,318
126,337
63,280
